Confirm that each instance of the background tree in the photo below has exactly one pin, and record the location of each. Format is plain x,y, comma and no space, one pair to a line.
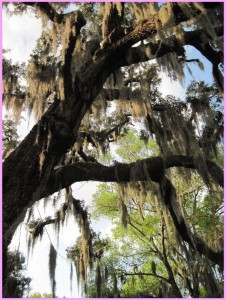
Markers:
86,59
10,136
17,283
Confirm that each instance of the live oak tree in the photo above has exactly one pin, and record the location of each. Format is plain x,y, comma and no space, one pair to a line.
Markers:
86,59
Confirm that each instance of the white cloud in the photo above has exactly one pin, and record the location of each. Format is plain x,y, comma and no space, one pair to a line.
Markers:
169,87
84,191
108,230
25,125
20,34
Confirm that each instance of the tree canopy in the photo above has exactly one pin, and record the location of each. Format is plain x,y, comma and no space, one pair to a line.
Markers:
93,85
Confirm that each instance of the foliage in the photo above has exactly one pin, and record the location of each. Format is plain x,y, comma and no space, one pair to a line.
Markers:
10,136
131,147
17,282
44,295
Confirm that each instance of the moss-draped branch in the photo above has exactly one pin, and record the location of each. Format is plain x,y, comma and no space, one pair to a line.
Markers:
148,169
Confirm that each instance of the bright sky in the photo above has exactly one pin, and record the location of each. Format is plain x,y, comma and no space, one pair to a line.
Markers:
19,35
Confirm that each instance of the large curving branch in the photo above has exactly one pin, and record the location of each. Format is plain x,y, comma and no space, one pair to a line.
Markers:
112,54
117,43
118,40
197,38
147,169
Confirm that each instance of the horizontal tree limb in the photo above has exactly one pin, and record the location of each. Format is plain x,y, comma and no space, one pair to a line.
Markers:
154,50
148,169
